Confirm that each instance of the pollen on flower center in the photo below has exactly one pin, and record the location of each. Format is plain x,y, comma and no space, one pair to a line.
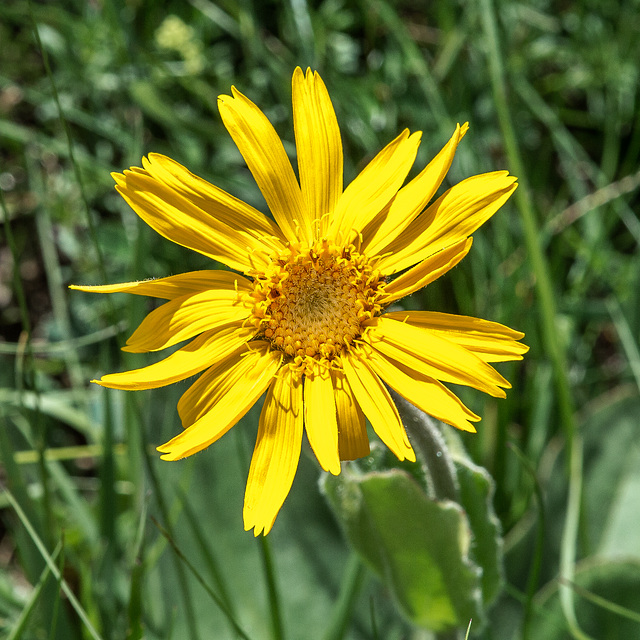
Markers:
312,302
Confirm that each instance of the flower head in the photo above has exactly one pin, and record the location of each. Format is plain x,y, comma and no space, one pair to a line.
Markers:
306,323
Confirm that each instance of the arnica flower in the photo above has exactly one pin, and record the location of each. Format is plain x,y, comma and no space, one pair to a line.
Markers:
305,323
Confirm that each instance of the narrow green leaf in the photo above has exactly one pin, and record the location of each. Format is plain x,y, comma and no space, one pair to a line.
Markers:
135,630
19,625
201,581
354,576
52,567
606,602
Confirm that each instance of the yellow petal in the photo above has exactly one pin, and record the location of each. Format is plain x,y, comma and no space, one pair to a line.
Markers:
238,215
240,383
178,219
320,418
318,145
353,441
267,160
377,405
175,286
426,272
187,316
490,341
433,356
219,379
425,393
373,188
412,198
199,354
453,216
276,454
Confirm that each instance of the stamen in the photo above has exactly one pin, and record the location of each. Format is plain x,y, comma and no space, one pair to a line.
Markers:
312,303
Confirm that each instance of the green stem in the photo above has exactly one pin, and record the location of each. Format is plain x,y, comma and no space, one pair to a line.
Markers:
431,449
353,578
55,280
568,544
277,628
65,126
272,589
185,590
214,596
524,202
544,289
56,605
415,59
534,572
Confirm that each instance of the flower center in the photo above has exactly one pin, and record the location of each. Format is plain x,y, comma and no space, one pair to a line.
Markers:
312,302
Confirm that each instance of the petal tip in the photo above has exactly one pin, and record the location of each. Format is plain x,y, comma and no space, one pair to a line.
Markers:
410,455
168,453
252,523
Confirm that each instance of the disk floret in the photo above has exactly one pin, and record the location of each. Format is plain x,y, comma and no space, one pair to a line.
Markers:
313,302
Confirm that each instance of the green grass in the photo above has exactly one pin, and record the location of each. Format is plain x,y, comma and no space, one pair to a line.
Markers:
551,93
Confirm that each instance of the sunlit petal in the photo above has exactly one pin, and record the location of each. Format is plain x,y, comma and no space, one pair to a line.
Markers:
374,187
276,454
452,217
353,441
267,160
185,317
320,418
426,272
173,287
319,147
194,357
178,219
219,379
411,199
490,341
235,213
434,356
377,405
425,393
241,380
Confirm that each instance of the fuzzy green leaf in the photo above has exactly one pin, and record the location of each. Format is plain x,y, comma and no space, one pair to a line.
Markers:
476,496
418,547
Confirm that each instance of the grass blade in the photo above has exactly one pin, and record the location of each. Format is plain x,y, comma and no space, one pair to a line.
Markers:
200,579
353,578
82,614
18,628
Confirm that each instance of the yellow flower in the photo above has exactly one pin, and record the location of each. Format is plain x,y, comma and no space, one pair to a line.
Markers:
305,322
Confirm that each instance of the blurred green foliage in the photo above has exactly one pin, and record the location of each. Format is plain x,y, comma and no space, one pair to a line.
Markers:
135,76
